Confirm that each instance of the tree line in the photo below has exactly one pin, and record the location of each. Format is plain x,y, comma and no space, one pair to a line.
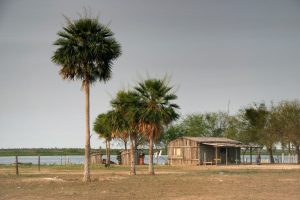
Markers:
259,124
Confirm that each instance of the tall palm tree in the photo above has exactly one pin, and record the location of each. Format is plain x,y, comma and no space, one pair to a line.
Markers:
102,126
126,120
86,51
156,110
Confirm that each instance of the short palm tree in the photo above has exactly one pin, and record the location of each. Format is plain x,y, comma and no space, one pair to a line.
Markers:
86,50
126,120
102,126
156,110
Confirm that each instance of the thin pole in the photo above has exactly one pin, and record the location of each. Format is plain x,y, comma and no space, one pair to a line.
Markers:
39,163
216,156
228,107
250,155
236,160
226,155
17,166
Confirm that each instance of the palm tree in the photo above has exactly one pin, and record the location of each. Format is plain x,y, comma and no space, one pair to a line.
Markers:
156,110
102,126
126,120
86,51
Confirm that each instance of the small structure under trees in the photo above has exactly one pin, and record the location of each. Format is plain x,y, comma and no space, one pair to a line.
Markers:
204,150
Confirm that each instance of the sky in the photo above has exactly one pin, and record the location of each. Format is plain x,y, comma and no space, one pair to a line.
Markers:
212,50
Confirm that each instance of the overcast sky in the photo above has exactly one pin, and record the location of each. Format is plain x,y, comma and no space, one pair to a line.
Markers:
242,50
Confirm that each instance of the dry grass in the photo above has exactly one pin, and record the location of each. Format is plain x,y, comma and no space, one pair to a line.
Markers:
194,182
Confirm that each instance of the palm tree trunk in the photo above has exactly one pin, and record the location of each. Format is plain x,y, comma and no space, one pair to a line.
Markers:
132,156
125,145
298,153
151,168
271,155
86,173
108,155
107,152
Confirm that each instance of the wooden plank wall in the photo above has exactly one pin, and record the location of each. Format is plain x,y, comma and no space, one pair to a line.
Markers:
125,157
189,152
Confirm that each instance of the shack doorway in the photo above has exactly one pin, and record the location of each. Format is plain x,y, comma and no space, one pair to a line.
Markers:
223,155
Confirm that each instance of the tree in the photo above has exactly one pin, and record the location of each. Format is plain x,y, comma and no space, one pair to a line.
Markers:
194,125
234,127
156,110
216,123
86,51
126,120
289,115
261,127
171,133
102,126
212,124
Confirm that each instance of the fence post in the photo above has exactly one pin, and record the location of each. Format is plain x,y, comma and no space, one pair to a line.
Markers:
17,167
39,162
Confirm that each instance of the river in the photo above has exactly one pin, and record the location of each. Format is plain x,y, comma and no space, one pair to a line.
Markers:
163,159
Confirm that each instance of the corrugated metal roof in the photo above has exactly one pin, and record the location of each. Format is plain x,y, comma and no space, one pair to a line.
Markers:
213,140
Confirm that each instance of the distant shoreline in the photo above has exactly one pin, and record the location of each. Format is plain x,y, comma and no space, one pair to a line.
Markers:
50,151
80,151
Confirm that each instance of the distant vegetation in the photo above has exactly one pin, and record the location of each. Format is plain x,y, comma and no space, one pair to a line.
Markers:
49,151
57,151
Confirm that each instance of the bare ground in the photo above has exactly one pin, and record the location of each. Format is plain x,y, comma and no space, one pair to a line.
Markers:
182,183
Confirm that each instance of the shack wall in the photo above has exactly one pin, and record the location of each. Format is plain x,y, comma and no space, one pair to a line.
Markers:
125,157
183,152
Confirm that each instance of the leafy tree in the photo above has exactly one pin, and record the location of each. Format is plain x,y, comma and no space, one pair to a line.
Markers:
156,110
86,51
211,124
289,115
194,125
216,123
171,133
102,126
261,127
234,127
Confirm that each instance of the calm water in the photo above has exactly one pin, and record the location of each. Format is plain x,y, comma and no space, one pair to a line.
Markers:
62,160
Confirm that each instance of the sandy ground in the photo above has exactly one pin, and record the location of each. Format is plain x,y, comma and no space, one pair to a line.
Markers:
193,182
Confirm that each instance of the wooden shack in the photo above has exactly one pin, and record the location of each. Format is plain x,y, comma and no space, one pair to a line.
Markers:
204,150
96,158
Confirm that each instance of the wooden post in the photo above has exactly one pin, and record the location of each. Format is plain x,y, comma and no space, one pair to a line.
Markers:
199,153
282,158
250,155
100,155
17,166
236,160
226,155
216,155
191,154
39,163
